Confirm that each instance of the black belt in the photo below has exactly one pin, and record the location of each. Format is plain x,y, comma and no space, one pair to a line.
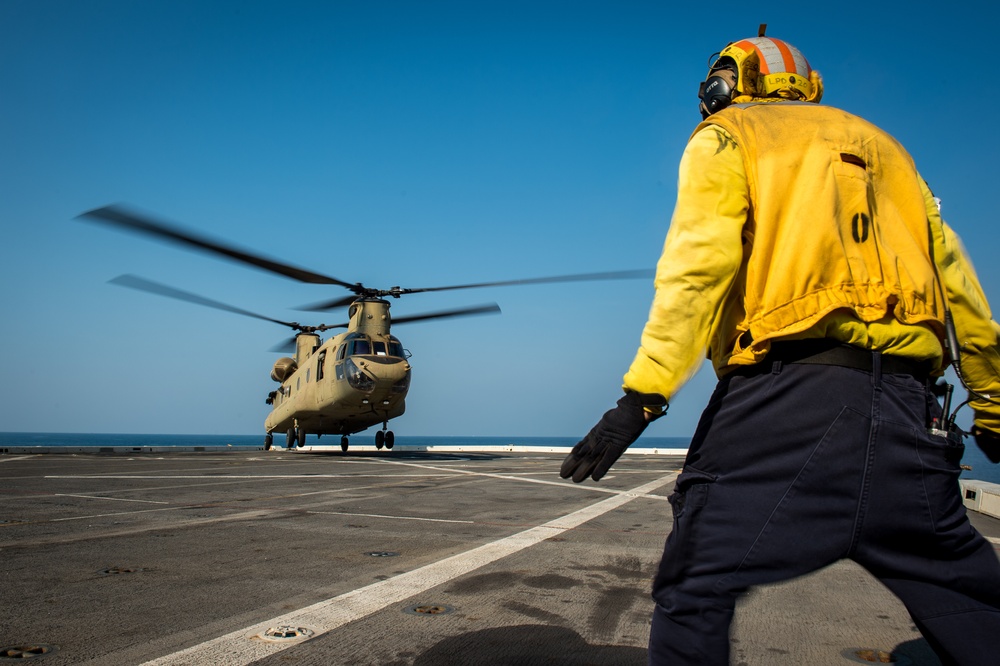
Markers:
822,351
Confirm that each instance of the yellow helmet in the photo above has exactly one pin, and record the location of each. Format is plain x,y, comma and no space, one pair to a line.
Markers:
757,69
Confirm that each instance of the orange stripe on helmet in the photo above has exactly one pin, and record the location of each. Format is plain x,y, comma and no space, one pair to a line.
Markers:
747,45
786,55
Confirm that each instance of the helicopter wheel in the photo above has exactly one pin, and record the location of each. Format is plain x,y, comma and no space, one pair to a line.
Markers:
290,438
302,437
390,439
268,441
379,439
343,443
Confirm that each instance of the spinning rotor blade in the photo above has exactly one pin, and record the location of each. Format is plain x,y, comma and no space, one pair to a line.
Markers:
582,277
288,346
329,305
142,284
284,347
120,217
461,312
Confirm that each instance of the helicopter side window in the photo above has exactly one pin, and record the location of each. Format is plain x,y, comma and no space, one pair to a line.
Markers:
320,364
341,352
379,348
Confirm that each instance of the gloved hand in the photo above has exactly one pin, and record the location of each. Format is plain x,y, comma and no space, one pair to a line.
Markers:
988,442
594,455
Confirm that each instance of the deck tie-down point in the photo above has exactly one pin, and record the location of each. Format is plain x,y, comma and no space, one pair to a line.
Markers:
284,634
428,609
22,652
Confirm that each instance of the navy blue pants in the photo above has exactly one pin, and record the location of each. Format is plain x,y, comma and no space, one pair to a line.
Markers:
793,469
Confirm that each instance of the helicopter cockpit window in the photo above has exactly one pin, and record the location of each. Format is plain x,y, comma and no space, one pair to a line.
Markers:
341,352
396,349
359,347
379,348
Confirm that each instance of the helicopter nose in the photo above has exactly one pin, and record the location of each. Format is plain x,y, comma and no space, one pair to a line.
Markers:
385,374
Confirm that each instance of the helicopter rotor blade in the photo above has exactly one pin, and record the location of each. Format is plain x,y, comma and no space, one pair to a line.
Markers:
328,305
285,347
327,327
142,284
580,277
491,308
118,216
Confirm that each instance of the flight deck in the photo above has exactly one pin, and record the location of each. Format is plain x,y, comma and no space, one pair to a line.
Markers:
393,558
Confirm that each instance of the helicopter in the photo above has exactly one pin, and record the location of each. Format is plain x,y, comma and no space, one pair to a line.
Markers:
341,386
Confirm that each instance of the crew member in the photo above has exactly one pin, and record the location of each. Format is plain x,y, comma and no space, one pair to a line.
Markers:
808,257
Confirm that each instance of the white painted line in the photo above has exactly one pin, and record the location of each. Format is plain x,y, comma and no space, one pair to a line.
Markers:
509,477
111,499
377,515
238,648
209,505
132,513
17,458
239,476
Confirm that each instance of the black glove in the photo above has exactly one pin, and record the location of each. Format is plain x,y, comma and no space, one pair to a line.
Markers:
988,442
594,455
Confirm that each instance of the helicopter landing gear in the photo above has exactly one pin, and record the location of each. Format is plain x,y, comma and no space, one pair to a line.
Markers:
384,437
290,438
268,441
343,443
302,437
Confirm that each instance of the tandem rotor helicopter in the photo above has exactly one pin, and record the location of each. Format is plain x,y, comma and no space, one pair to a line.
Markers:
341,386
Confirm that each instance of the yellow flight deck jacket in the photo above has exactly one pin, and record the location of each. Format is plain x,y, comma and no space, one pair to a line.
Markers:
795,220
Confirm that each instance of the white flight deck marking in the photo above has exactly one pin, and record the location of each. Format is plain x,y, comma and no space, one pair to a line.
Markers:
448,472
238,516
237,649
221,482
509,477
113,499
17,458
378,515
236,476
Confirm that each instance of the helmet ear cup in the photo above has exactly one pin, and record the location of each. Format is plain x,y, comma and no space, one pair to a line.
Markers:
717,91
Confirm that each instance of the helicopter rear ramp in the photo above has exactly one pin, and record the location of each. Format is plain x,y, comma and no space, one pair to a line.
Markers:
402,558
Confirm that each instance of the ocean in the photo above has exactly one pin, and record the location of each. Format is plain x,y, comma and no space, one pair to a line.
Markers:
981,469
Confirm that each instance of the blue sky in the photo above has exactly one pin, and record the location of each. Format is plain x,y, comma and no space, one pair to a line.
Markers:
402,143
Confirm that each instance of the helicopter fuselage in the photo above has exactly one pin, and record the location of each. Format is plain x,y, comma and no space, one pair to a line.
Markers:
345,385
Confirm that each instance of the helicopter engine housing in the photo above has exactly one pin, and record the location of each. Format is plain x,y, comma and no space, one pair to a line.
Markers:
283,369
